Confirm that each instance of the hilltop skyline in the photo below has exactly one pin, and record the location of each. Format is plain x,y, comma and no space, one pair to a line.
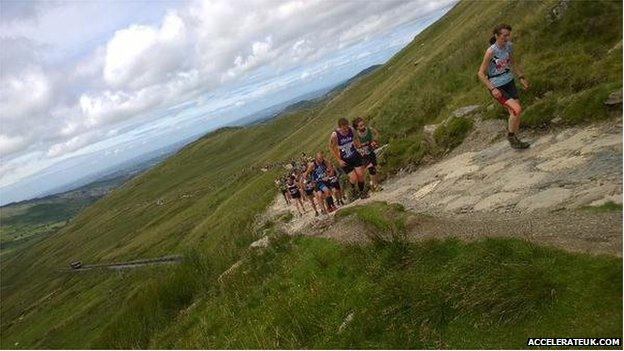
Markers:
138,75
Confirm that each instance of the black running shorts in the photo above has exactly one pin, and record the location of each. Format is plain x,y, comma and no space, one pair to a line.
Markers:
352,163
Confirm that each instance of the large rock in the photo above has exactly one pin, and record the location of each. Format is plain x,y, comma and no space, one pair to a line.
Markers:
547,198
497,200
346,322
615,98
557,12
229,271
260,243
430,128
466,110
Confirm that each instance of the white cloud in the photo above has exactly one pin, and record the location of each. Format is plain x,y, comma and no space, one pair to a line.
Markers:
64,89
24,94
9,144
140,55
72,144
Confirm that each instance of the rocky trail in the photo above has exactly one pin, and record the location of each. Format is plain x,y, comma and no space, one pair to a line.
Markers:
485,188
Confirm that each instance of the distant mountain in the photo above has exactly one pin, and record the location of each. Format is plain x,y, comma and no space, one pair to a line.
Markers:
277,109
363,73
123,171
302,102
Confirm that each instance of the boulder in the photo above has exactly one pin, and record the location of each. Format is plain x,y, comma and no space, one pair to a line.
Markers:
466,110
260,243
615,98
557,12
346,322
229,271
430,128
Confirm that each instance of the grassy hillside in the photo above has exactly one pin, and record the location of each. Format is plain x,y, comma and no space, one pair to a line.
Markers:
203,201
493,293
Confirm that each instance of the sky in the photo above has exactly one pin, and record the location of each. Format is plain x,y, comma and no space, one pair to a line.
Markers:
89,84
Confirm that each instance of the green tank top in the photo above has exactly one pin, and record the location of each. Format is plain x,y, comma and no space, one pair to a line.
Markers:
367,138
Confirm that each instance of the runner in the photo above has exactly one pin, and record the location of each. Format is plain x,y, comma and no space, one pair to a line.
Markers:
333,181
281,186
318,170
497,74
308,185
293,190
369,138
343,144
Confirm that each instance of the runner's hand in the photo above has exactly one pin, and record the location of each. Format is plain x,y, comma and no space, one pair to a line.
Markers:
525,83
496,93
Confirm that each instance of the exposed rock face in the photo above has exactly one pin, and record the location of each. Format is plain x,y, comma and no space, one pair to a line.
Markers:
485,174
229,271
614,99
483,187
557,12
466,110
346,322
260,243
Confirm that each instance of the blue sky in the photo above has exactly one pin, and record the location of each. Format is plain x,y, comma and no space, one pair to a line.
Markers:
88,84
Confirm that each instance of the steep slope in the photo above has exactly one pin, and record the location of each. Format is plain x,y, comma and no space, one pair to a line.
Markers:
202,202
555,193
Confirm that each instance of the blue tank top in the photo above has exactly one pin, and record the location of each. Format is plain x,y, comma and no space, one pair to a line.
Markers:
319,172
345,144
499,69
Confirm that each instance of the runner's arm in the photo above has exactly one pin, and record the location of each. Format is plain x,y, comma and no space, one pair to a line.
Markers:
375,135
301,186
483,68
356,139
518,71
515,66
328,168
333,147
307,171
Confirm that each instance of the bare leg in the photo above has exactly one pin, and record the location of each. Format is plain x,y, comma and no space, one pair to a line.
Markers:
321,201
515,111
311,198
300,203
361,179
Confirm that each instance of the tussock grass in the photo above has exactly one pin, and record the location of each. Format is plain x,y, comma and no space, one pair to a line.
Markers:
492,293
452,133
608,206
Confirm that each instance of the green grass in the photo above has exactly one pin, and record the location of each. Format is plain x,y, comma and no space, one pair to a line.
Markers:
21,222
608,206
402,152
300,290
451,133
491,293
383,218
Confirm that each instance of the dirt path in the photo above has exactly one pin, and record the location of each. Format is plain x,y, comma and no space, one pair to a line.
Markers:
166,260
484,188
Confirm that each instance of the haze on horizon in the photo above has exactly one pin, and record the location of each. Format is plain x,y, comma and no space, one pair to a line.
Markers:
87,85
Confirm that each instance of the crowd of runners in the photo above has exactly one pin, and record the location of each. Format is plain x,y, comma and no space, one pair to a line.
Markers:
317,180
320,183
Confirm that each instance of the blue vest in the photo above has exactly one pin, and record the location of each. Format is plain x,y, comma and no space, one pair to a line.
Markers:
499,69
319,172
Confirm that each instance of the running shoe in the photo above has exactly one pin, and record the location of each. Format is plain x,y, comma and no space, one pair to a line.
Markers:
517,143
